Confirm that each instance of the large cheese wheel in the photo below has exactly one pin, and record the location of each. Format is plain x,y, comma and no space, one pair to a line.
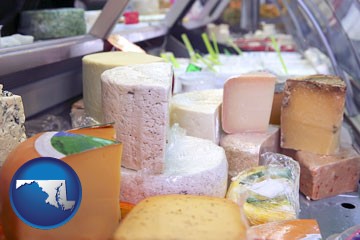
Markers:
95,64
98,171
193,166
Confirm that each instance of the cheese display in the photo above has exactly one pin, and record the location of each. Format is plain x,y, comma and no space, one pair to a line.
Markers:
312,113
247,102
94,65
183,217
276,105
52,23
192,166
198,113
96,160
298,229
329,175
137,99
269,192
243,150
12,123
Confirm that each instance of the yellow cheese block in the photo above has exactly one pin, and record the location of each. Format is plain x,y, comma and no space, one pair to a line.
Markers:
183,217
312,113
99,173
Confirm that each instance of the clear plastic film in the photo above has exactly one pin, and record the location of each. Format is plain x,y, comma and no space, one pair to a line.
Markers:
79,118
269,192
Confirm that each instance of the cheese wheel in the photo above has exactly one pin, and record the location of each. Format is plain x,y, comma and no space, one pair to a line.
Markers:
193,166
183,217
137,99
98,171
198,113
94,65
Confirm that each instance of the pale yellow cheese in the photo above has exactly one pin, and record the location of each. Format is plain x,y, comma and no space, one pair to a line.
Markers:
312,114
184,217
95,64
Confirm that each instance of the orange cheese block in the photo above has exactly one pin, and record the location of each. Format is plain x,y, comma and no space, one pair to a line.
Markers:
285,230
328,175
312,113
99,172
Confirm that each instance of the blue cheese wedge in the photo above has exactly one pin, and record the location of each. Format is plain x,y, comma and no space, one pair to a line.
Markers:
12,123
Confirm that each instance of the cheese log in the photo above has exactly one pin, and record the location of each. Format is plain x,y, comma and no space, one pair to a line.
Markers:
94,65
52,23
137,99
296,229
98,171
247,102
183,217
328,175
193,166
312,114
243,150
12,123
276,105
198,113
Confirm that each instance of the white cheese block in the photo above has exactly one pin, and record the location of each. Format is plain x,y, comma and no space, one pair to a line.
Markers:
12,123
94,65
193,166
137,99
198,113
243,150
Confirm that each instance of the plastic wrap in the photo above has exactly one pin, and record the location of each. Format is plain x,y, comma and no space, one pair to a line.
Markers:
352,233
192,166
269,192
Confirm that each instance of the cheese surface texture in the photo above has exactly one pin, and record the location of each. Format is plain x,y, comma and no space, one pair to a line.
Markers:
94,65
99,172
247,102
193,166
198,112
276,105
312,113
243,150
137,99
183,217
329,175
12,123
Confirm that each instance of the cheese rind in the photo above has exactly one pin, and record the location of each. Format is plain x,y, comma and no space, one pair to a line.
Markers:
312,114
183,217
137,99
198,113
12,123
193,166
247,102
243,150
94,65
99,174
329,175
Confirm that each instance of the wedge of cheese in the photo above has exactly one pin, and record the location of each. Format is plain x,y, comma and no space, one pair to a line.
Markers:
247,102
183,217
243,150
193,166
94,65
98,168
297,229
198,113
312,113
12,123
329,175
137,99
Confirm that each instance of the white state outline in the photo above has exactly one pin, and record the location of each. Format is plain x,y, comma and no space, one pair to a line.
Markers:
44,148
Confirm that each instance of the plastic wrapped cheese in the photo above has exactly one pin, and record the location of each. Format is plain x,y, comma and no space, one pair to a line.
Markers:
96,159
269,192
192,166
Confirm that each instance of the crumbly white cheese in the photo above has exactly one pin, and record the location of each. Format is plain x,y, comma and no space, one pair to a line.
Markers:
12,130
137,99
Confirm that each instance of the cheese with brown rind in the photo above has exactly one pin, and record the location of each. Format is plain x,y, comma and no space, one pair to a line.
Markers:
324,176
312,114
183,217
